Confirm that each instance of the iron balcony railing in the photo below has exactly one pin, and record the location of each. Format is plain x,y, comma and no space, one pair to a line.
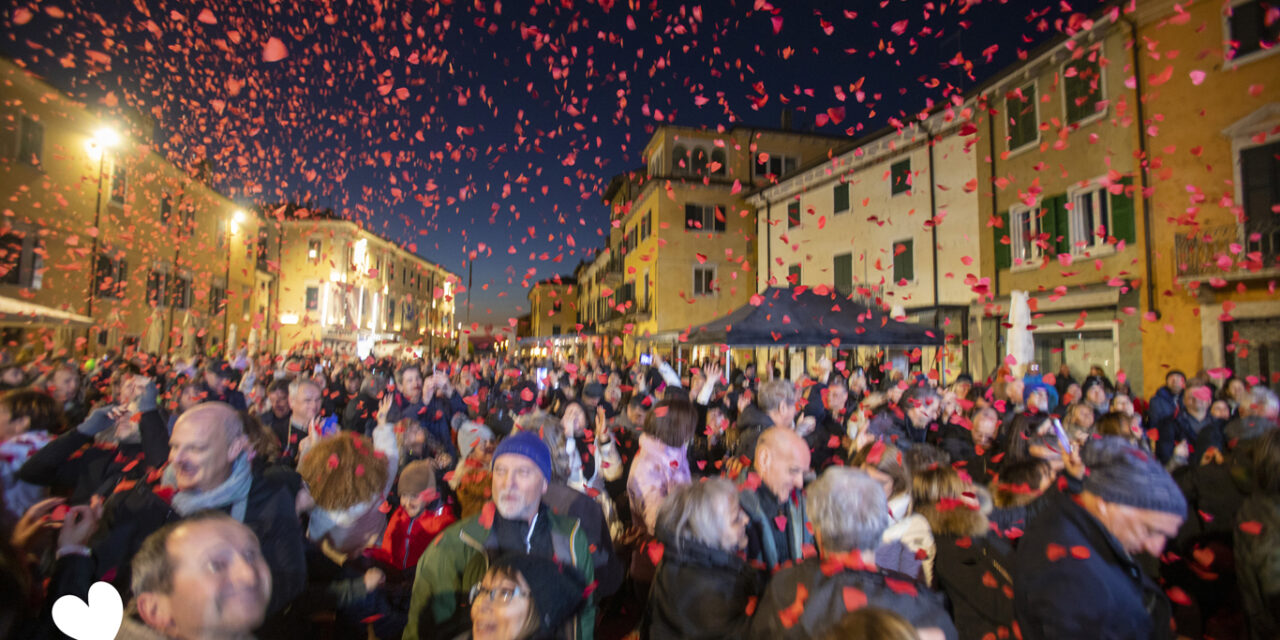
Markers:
1229,252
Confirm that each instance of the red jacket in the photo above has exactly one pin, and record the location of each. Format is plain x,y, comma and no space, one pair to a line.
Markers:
406,538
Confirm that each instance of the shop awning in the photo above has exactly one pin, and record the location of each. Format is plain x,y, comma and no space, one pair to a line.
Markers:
20,313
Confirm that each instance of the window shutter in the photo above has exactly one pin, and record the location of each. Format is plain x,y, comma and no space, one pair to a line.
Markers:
1058,222
841,198
1122,223
691,214
10,123
1003,244
842,273
793,215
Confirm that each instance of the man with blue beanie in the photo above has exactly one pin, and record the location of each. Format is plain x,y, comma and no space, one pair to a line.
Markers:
1075,572
514,521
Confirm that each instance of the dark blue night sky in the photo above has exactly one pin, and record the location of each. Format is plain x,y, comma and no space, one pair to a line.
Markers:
492,127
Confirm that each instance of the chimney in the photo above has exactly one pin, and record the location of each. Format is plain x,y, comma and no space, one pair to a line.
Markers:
786,119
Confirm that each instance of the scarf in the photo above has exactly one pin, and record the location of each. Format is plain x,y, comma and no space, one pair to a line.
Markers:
233,492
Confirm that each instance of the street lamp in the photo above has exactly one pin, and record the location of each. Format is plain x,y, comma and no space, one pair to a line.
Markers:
102,140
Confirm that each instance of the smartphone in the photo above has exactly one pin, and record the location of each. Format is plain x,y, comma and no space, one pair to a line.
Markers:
59,513
329,426
541,377
1062,436
646,359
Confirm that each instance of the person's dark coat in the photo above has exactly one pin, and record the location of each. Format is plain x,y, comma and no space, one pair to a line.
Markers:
133,513
1182,427
972,565
1257,555
747,430
1074,580
778,532
230,396
827,599
893,426
982,464
1164,405
699,593
361,414
569,503
75,464
825,441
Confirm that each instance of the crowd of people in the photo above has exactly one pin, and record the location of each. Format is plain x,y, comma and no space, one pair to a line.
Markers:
496,498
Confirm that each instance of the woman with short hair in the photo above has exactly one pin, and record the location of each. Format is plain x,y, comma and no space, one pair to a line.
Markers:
702,586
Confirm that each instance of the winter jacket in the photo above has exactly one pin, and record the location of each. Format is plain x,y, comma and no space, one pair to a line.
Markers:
406,538
656,470
907,546
1164,406
1257,556
699,593
1182,427
135,512
972,566
459,557
777,533
1074,580
576,505
75,463
747,430
893,426
832,588
434,414
825,440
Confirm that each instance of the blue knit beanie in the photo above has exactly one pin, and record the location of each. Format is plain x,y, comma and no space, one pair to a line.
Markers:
1123,473
529,445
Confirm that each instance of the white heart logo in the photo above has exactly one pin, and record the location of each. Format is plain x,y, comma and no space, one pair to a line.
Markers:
98,620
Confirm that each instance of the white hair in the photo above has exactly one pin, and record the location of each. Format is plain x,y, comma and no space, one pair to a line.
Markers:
848,510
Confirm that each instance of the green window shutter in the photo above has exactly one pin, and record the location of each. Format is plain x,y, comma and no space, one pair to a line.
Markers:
904,262
842,273
1059,226
793,215
1122,223
841,197
900,177
1004,249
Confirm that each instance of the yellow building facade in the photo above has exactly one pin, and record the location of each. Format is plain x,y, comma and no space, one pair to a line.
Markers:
893,219
1060,187
346,289
688,237
553,308
1214,141
98,225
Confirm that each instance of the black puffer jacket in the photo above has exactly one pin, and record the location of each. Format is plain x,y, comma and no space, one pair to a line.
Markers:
747,430
700,592
973,566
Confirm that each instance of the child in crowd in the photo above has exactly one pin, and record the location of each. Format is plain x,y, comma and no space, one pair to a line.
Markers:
421,516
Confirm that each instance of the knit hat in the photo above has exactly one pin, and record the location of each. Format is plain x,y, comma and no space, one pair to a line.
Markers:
1092,381
529,445
1126,474
593,390
557,591
416,477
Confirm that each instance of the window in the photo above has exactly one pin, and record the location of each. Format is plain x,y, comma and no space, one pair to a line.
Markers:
842,273
180,292
698,159
718,162
1082,87
900,177
904,261
217,299
1260,190
703,278
646,226
21,258
1023,122
840,198
1024,232
1090,218
655,163
189,216
679,160
555,329
313,251
391,312
166,209
313,298
157,281
119,182
31,141
793,275
767,165
703,217
557,305
793,215
110,276
1253,26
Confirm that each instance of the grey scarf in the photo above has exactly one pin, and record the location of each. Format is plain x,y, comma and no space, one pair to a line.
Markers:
233,492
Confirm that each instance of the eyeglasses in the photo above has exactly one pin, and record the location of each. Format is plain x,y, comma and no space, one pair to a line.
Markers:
501,595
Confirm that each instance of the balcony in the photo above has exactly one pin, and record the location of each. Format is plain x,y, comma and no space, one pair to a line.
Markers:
1229,252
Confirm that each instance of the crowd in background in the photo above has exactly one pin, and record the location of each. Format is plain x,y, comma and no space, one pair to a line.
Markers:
290,496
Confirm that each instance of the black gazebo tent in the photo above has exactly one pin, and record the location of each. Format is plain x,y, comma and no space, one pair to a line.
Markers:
804,317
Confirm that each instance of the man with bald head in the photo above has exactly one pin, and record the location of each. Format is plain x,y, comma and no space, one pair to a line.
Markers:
209,468
773,498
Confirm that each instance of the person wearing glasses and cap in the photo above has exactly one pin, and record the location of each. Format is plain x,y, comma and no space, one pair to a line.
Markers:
524,597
